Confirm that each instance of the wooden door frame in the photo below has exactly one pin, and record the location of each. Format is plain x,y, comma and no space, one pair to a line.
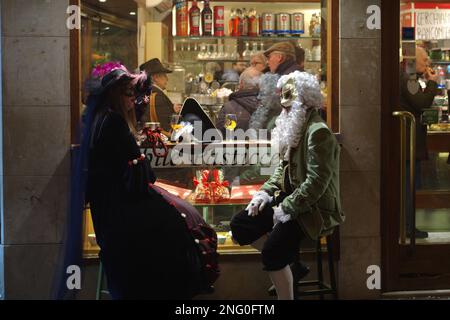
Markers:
391,253
75,81
390,96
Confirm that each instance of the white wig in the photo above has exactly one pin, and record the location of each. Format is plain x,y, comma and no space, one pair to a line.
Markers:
290,123
308,88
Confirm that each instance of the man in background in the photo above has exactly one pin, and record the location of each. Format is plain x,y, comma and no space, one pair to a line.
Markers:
414,98
233,74
243,102
160,108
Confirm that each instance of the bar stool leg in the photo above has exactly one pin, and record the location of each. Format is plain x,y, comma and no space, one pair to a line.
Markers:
98,292
331,267
296,281
319,267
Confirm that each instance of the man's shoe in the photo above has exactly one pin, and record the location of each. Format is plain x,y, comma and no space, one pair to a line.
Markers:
419,234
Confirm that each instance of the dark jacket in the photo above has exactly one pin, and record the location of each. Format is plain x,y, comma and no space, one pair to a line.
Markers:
288,67
242,103
164,109
138,234
415,103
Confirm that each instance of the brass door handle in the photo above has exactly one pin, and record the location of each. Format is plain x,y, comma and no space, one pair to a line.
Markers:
404,117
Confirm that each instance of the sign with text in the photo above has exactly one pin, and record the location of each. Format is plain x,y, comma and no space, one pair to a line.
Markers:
432,24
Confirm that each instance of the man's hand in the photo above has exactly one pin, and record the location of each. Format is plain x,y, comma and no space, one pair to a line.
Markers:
430,75
258,203
280,216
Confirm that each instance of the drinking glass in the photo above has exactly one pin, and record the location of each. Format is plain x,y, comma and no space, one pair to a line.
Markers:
230,125
175,122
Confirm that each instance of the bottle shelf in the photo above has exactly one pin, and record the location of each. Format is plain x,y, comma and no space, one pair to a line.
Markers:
260,38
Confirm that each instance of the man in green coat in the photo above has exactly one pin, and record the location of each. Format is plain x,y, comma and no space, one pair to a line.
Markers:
301,199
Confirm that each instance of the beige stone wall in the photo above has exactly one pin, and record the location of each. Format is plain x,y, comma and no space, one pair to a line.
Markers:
360,110
36,142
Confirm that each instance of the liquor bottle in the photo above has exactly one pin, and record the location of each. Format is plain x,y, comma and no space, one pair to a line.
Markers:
244,23
253,23
240,22
194,19
207,19
181,7
231,28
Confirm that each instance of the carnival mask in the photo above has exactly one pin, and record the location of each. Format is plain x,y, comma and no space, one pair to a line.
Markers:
289,93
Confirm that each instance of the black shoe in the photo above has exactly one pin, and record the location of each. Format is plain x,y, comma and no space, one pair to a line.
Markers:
419,234
299,271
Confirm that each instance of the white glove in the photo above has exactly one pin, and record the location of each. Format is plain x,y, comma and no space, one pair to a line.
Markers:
258,203
280,216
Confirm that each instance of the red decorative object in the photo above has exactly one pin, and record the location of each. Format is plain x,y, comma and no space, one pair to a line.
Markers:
219,187
202,193
154,140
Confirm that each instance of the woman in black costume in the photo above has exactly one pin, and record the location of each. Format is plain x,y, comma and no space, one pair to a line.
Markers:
146,249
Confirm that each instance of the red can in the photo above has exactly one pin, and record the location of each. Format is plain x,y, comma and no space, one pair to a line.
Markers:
219,21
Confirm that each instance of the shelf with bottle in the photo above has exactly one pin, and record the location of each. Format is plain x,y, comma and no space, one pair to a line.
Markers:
240,22
242,38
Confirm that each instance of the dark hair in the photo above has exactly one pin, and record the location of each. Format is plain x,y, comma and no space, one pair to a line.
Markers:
114,101
299,55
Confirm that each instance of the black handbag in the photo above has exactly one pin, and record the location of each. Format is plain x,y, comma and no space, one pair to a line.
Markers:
138,175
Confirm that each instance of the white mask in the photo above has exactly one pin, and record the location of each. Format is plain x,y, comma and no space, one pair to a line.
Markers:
289,93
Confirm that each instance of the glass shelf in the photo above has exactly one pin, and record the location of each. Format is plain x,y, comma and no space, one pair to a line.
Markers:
440,62
233,60
233,203
260,38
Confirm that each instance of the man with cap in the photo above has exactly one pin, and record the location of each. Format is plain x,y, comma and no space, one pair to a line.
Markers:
281,58
161,108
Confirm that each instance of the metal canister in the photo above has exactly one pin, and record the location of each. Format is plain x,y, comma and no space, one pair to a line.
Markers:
297,23
268,24
219,21
283,24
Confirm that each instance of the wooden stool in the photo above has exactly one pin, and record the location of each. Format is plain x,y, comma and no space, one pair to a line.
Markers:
323,288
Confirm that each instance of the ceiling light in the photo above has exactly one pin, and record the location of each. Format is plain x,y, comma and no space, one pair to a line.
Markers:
132,13
102,0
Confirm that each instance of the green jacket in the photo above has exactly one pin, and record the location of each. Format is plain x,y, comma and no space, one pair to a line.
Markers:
314,177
